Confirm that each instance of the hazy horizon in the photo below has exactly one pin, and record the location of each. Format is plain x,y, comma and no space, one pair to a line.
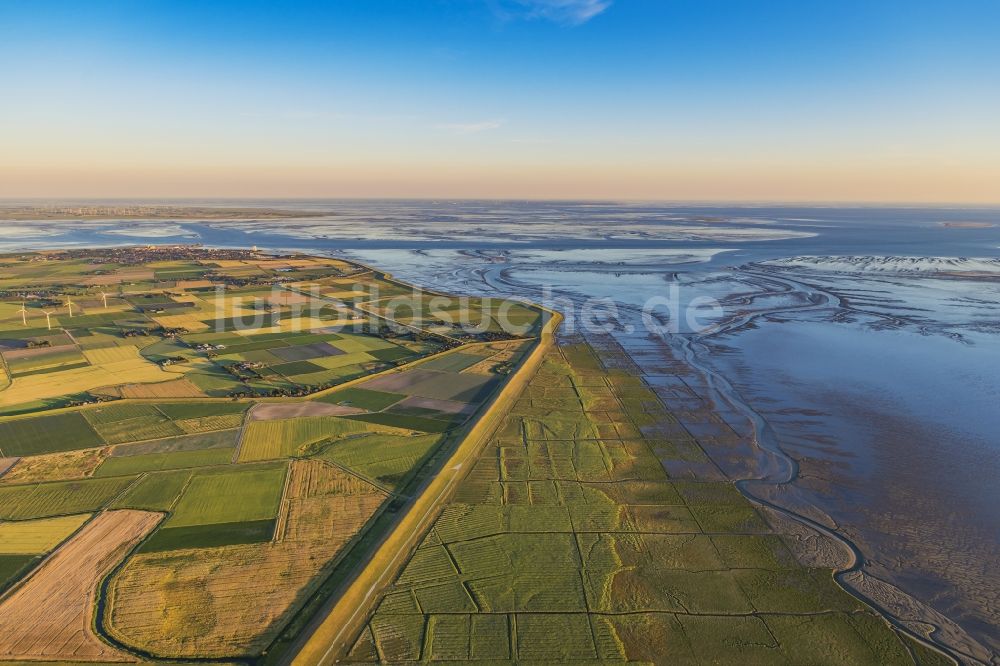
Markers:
693,203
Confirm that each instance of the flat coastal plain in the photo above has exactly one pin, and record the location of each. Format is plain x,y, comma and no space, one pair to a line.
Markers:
196,445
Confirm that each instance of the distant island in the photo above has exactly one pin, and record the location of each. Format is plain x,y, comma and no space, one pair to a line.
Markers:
968,225
145,212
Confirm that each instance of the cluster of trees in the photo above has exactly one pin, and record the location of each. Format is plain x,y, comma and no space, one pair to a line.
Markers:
135,332
91,399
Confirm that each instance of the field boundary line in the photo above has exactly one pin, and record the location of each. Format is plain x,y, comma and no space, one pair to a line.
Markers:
284,506
247,419
125,491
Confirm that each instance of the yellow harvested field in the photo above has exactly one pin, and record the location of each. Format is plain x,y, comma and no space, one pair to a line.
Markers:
49,615
289,324
175,388
344,281
317,478
350,293
190,322
193,284
233,600
9,310
34,537
111,354
214,307
39,387
63,466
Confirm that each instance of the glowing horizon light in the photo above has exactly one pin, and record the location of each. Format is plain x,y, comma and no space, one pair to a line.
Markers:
525,99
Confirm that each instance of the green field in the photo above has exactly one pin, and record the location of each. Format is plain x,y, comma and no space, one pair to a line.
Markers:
387,459
41,500
47,434
230,495
117,412
12,567
157,491
138,429
210,536
52,362
221,507
153,462
403,421
372,401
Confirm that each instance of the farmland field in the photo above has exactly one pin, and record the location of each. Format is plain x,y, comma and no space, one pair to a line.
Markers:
231,600
47,434
156,491
193,462
55,466
12,567
33,537
169,338
268,440
152,462
40,500
236,495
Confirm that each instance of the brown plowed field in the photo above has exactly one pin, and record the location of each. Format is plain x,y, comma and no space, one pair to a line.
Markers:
273,411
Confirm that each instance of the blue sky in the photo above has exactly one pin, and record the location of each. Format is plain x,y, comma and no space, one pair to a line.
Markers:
667,99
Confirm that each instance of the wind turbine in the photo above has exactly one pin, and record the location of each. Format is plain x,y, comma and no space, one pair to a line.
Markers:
24,314
275,315
69,304
105,297
48,320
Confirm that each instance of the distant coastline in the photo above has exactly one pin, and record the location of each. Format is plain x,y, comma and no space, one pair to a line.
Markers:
143,212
